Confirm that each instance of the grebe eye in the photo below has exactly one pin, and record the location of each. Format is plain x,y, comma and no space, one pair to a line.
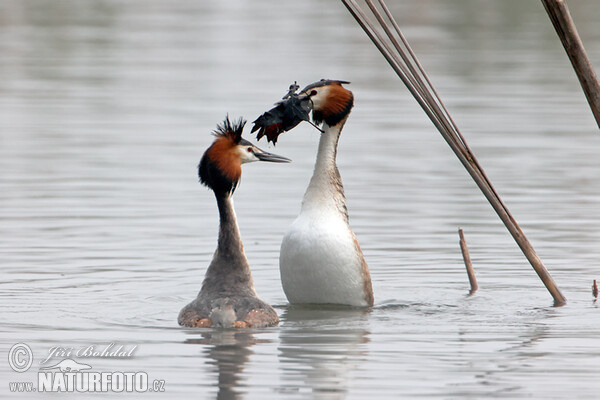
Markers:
249,150
313,93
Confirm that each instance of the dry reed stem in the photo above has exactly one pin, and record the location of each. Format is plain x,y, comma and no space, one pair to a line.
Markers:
468,264
567,32
398,53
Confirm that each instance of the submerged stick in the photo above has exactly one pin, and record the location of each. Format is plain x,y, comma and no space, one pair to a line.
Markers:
567,32
403,61
470,272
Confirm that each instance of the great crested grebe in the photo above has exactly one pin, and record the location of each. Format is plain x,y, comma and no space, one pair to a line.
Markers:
227,297
320,260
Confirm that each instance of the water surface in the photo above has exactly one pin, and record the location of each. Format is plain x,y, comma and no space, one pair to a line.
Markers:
107,106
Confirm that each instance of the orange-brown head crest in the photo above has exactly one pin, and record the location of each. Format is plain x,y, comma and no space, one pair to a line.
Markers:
220,167
332,103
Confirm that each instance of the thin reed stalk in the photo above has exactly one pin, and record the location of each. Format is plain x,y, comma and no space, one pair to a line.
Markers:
468,264
567,32
385,33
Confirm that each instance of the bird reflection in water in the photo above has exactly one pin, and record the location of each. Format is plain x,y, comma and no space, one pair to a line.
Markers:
229,351
320,348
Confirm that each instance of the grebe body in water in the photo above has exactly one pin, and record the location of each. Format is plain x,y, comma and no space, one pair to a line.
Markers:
321,260
227,297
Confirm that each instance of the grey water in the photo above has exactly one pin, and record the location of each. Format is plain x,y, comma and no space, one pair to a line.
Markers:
107,106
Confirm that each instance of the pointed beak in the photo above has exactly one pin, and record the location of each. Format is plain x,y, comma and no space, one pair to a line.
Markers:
264,156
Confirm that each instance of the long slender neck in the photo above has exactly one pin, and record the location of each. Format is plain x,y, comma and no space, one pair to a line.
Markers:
229,271
325,190
230,241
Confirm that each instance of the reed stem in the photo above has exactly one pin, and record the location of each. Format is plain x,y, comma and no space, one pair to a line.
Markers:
567,32
404,62
470,272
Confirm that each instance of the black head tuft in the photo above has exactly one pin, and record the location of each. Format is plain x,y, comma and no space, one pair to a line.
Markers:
323,82
231,130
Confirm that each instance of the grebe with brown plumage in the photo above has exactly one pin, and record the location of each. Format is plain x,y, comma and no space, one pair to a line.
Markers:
228,298
320,259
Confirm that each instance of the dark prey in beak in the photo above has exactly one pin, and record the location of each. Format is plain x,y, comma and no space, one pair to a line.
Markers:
292,109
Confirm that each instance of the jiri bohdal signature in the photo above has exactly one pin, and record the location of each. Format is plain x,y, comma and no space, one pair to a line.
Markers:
108,351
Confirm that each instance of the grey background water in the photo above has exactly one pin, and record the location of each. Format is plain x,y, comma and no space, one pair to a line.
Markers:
107,106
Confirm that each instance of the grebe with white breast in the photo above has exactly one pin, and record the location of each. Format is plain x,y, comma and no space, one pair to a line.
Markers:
227,297
320,260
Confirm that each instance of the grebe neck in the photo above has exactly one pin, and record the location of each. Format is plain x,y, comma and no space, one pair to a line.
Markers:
325,190
229,262
230,241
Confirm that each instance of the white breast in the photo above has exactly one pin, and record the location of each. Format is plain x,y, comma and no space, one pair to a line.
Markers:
320,261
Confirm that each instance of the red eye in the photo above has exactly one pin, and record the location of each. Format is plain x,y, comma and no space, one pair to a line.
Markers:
313,93
249,150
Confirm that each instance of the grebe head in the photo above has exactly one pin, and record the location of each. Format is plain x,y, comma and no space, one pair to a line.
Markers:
221,165
329,100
